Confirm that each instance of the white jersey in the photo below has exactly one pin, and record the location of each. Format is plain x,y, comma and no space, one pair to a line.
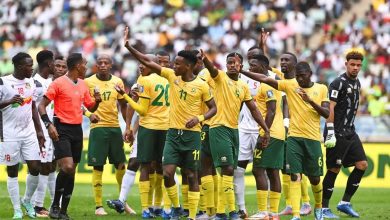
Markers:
16,120
42,85
246,122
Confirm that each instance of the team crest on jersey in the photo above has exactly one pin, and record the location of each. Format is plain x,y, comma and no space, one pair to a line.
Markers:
193,90
334,94
28,86
315,93
176,82
270,94
223,159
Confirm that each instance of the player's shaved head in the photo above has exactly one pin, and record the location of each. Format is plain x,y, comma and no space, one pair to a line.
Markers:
105,57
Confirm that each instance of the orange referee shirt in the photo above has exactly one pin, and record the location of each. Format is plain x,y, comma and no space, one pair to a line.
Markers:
68,98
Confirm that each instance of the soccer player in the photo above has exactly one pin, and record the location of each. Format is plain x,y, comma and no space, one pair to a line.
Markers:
59,67
304,153
233,92
344,147
287,63
182,146
69,93
21,131
270,160
153,108
105,138
43,78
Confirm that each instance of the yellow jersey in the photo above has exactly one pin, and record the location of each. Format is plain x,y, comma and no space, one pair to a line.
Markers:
156,89
108,110
205,76
304,119
229,95
186,99
266,93
278,73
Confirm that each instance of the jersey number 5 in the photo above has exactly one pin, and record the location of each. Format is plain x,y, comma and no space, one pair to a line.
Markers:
163,92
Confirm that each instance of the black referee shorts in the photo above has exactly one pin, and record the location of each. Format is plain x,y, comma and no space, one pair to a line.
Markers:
70,143
348,150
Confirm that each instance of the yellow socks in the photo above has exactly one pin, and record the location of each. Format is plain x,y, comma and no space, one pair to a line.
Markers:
208,192
274,199
173,196
167,201
317,192
216,191
304,189
295,194
158,194
144,188
193,200
119,176
152,180
221,198
97,187
184,196
262,197
228,188
202,200
286,188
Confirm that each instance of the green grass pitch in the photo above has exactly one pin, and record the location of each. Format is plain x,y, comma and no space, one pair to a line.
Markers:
371,203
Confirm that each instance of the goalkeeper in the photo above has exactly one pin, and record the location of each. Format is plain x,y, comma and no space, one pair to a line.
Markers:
344,147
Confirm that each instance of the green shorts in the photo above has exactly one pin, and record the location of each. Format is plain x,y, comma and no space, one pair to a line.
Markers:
204,136
105,142
304,156
150,144
182,148
271,157
224,146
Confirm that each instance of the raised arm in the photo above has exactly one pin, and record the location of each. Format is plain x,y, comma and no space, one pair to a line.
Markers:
210,66
261,78
263,40
156,68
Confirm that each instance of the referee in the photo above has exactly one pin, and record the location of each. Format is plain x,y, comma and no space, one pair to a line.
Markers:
344,147
69,93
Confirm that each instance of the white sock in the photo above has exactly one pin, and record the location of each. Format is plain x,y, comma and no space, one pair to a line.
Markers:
127,183
13,191
239,187
343,202
177,182
31,186
51,185
41,190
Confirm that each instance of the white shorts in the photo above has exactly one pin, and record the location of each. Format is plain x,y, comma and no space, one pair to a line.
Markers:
47,154
247,145
14,152
133,149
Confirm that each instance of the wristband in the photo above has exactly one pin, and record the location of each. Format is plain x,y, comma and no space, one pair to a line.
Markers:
330,125
46,120
286,122
87,113
200,118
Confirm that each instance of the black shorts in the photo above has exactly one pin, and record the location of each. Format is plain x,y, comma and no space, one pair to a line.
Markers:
70,143
348,150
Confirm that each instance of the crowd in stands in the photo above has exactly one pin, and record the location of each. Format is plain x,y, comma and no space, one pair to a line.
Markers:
96,26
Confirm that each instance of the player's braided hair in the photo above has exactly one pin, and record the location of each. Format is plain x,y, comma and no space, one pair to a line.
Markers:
354,55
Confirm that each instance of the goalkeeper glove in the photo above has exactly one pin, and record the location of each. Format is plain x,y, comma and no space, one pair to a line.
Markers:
330,140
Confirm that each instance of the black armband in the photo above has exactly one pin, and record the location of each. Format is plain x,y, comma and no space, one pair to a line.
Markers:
46,120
